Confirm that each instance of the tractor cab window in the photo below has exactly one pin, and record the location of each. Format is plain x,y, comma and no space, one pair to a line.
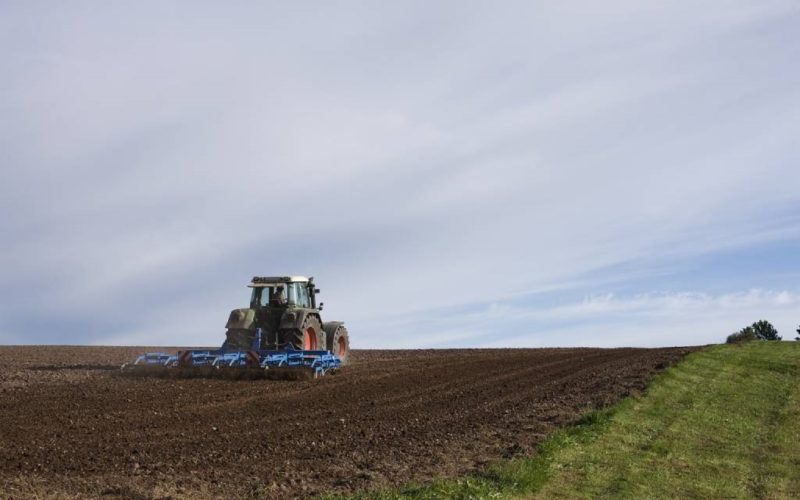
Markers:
298,295
259,297
262,295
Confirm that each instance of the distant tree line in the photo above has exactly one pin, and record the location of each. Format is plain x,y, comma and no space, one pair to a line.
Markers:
760,330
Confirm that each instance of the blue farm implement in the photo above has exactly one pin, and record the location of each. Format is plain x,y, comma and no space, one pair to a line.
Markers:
225,363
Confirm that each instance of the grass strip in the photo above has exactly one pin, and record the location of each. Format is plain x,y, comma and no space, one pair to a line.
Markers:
724,422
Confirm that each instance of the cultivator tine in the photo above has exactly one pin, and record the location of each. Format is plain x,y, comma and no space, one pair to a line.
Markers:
289,374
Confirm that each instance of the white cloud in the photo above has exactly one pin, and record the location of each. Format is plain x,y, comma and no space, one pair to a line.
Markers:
677,303
606,320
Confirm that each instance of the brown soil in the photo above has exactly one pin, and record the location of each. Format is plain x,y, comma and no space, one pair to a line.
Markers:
70,426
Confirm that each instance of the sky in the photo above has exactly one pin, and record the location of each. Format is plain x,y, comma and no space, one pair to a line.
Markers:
453,174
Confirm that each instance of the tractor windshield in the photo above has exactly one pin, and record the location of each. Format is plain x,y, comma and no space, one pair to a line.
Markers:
298,295
295,294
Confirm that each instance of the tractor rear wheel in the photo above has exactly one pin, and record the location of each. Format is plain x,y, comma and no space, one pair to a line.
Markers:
239,339
338,342
310,337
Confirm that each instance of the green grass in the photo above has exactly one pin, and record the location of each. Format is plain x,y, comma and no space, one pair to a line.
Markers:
725,422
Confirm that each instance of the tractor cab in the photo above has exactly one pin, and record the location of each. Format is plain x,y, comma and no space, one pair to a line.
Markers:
283,292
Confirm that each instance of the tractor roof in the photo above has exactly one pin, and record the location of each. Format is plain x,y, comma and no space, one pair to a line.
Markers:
259,281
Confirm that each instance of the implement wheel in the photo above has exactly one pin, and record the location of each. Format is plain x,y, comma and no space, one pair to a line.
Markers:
309,337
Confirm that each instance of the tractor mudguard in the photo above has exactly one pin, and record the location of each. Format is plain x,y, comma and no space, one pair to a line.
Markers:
331,326
294,318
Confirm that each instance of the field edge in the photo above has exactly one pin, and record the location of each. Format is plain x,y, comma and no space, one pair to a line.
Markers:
756,364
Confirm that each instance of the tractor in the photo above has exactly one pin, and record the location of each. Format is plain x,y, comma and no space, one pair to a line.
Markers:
286,310
280,334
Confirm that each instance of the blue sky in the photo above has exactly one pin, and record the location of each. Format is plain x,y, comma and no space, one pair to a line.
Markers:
453,174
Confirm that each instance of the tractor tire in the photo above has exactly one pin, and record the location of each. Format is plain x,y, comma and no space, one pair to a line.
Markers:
338,341
238,339
310,337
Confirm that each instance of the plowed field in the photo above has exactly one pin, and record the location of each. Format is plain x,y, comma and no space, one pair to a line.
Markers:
70,426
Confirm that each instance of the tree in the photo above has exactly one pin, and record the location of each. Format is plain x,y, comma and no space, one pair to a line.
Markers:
744,335
765,331
798,333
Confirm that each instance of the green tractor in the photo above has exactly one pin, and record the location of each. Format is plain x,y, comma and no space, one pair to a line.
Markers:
285,309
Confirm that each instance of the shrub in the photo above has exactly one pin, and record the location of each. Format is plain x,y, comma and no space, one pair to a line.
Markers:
744,335
765,331
760,330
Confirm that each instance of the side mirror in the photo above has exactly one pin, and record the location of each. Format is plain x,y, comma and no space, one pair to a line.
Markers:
316,290
321,305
